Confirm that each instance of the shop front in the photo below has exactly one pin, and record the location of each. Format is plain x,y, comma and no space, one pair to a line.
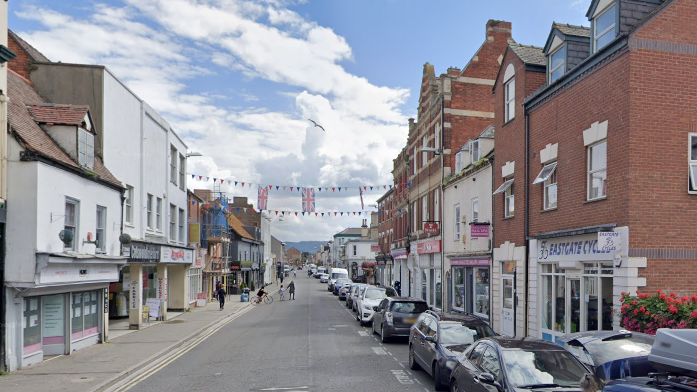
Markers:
470,285
576,283
430,272
400,270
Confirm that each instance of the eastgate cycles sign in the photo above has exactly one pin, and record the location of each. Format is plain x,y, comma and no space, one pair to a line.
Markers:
574,248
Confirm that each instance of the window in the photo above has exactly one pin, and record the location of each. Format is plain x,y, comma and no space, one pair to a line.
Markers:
509,207
416,217
456,225
424,154
415,158
597,170
355,250
548,176
458,162
182,167
150,223
172,222
158,214
557,64
692,162
474,151
437,132
475,210
173,165
424,208
436,206
84,312
72,208
85,148
194,276
510,100
604,29
182,232
101,229
129,204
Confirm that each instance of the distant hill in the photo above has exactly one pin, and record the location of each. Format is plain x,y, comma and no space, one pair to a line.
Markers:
306,246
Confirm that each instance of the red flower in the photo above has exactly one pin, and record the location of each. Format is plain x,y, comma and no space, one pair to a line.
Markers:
684,298
636,311
642,309
673,309
694,314
634,302
669,300
623,293
662,296
647,313
694,298
622,299
677,302
658,291
673,295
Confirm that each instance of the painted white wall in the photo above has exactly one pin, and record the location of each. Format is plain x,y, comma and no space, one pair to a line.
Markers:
267,256
363,252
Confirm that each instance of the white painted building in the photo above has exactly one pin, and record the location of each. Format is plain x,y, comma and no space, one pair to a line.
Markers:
338,241
467,228
357,251
62,242
268,255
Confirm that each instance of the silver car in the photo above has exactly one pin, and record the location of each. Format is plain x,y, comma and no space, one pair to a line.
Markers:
324,278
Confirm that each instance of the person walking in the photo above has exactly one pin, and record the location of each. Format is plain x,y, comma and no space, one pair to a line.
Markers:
291,290
282,292
221,297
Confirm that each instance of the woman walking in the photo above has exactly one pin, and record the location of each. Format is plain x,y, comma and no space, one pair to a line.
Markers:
221,297
291,290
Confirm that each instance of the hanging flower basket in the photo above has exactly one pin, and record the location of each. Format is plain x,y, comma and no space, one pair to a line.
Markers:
367,265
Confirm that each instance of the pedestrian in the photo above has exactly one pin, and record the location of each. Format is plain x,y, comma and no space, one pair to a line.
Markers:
291,290
281,279
295,275
282,291
221,297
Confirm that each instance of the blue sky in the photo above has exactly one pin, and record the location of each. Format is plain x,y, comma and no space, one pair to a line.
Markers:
238,78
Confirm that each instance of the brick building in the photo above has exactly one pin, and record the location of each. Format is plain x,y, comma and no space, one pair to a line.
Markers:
453,109
294,256
400,221
386,223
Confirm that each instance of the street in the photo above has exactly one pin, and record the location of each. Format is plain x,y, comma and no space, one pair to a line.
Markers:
311,344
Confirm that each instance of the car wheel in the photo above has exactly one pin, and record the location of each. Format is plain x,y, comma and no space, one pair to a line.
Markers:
382,334
437,378
453,386
412,361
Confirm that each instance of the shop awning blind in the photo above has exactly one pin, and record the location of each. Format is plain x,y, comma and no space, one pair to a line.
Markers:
503,187
545,173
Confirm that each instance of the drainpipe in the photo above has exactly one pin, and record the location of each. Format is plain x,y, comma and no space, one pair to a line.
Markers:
527,222
3,194
443,275
493,238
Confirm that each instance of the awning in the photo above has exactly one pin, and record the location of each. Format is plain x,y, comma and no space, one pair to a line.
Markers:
545,173
503,187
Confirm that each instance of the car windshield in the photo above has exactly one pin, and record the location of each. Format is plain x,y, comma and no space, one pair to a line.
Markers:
526,368
340,282
375,294
452,333
611,350
409,307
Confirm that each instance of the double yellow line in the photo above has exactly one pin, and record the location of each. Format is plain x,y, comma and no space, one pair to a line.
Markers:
190,346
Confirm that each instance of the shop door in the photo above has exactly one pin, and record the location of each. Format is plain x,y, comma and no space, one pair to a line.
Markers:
573,304
507,306
53,327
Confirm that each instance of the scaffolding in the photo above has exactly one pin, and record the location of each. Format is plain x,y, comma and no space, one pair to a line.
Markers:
215,231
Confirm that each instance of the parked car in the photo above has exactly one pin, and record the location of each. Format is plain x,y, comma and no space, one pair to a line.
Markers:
612,354
338,284
361,290
352,293
435,341
311,271
343,291
323,278
514,365
368,302
317,274
395,316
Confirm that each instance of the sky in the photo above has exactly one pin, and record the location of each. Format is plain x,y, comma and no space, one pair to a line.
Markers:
239,79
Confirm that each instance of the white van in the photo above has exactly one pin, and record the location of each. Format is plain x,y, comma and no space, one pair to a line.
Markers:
320,271
337,273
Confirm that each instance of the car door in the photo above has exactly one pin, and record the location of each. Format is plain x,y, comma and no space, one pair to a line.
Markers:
417,336
430,349
379,314
489,363
470,367
420,349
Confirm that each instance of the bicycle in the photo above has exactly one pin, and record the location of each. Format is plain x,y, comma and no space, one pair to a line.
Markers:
267,300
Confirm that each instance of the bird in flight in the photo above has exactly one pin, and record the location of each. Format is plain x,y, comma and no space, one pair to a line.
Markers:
317,125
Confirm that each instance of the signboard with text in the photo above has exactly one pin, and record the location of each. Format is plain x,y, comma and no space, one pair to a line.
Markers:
431,227
375,248
428,247
470,262
176,255
479,231
573,248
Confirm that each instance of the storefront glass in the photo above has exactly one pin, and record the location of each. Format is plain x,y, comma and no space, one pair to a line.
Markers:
481,291
194,277
84,313
437,288
149,283
32,325
459,289
423,285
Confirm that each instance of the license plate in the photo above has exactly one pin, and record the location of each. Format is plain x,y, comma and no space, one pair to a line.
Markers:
410,320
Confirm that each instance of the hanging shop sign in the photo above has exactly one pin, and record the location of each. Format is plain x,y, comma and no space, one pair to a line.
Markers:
431,227
399,253
428,247
176,255
374,248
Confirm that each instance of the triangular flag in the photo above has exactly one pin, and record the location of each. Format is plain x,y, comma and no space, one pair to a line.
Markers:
284,187
408,184
238,209
365,188
333,189
200,177
277,187
354,212
371,188
245,209
296,214
270,187
303,213
390,186
235,183
384,187
339,189
380,212
316,213
215,180
207,178
335,214
242,183
276,212
193,176
323,214
342,214
320,189
253,209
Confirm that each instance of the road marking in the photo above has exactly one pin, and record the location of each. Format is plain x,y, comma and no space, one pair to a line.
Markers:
332,329
402,365
281,389
402,377
379,350
363,333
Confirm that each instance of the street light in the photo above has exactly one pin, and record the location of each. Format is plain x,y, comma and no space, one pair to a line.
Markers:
193,154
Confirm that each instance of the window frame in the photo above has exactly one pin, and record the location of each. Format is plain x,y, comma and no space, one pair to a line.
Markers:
691,165
181,235
416,166
75,224
172,222
182,175
475,151
456,226
590,172
424,154
551,71
509,201
548,184
100,245
158,214
173,164
85,151
149,221
436,205
458,162
509,100
128,211
595,34
475,211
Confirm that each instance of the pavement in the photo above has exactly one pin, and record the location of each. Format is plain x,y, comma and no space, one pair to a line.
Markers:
97,367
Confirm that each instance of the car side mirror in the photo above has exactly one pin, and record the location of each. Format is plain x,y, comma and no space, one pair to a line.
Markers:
431,339
488,378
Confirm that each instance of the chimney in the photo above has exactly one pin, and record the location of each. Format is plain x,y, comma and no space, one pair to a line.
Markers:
498,27
364,228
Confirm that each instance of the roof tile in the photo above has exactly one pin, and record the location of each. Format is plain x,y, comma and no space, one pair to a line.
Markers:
59,114
528,54
577,31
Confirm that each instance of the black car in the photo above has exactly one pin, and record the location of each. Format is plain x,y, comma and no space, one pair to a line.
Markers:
436,339
395,316
500,364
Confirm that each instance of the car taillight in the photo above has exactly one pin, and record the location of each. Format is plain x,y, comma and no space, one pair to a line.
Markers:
388,316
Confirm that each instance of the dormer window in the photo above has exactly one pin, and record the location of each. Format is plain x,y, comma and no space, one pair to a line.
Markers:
604,27
474,151
85,148
557,64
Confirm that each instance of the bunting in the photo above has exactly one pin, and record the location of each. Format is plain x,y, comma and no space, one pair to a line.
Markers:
262,198
308,200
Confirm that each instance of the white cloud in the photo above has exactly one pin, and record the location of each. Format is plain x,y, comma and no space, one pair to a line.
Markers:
160,47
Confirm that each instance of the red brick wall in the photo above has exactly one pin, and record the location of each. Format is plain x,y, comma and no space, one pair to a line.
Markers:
21,64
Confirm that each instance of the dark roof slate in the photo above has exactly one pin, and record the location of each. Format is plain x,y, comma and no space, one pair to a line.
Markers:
528,54
577,31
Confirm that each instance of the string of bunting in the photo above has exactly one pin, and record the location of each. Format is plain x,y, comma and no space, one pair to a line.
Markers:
315,213
294,188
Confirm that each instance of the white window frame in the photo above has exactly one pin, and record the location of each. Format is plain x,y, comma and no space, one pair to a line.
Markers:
562,64
475,153
475,210
458,162
85,148
149,221
416,217
612,27
437,133
589,172
509,89
692,164
173,164
550,183
128,211
172,222
415,160
182,220
75,225
436,205
424,154
424,209
158,214
101,215
182,174
456,225
509,202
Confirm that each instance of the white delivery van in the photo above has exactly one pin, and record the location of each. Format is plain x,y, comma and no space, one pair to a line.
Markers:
337,273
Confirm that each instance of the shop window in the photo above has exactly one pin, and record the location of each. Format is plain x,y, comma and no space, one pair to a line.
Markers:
72,210
32,325
459,289
604,27
84,313
423,285
194,276
692,164
597,170
101,229
481,291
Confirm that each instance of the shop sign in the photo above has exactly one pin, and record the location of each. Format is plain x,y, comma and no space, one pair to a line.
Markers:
176,255
53,327
194,233
479,231
135,295
162,288
469,262
399,254
428,247
574,248
199,262
201,296
374,248
144,253
106,301
431,227
63,273
609,241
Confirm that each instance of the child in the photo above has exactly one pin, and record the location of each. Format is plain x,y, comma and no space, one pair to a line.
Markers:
282,291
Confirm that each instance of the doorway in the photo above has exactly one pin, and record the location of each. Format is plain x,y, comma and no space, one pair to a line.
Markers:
507,306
